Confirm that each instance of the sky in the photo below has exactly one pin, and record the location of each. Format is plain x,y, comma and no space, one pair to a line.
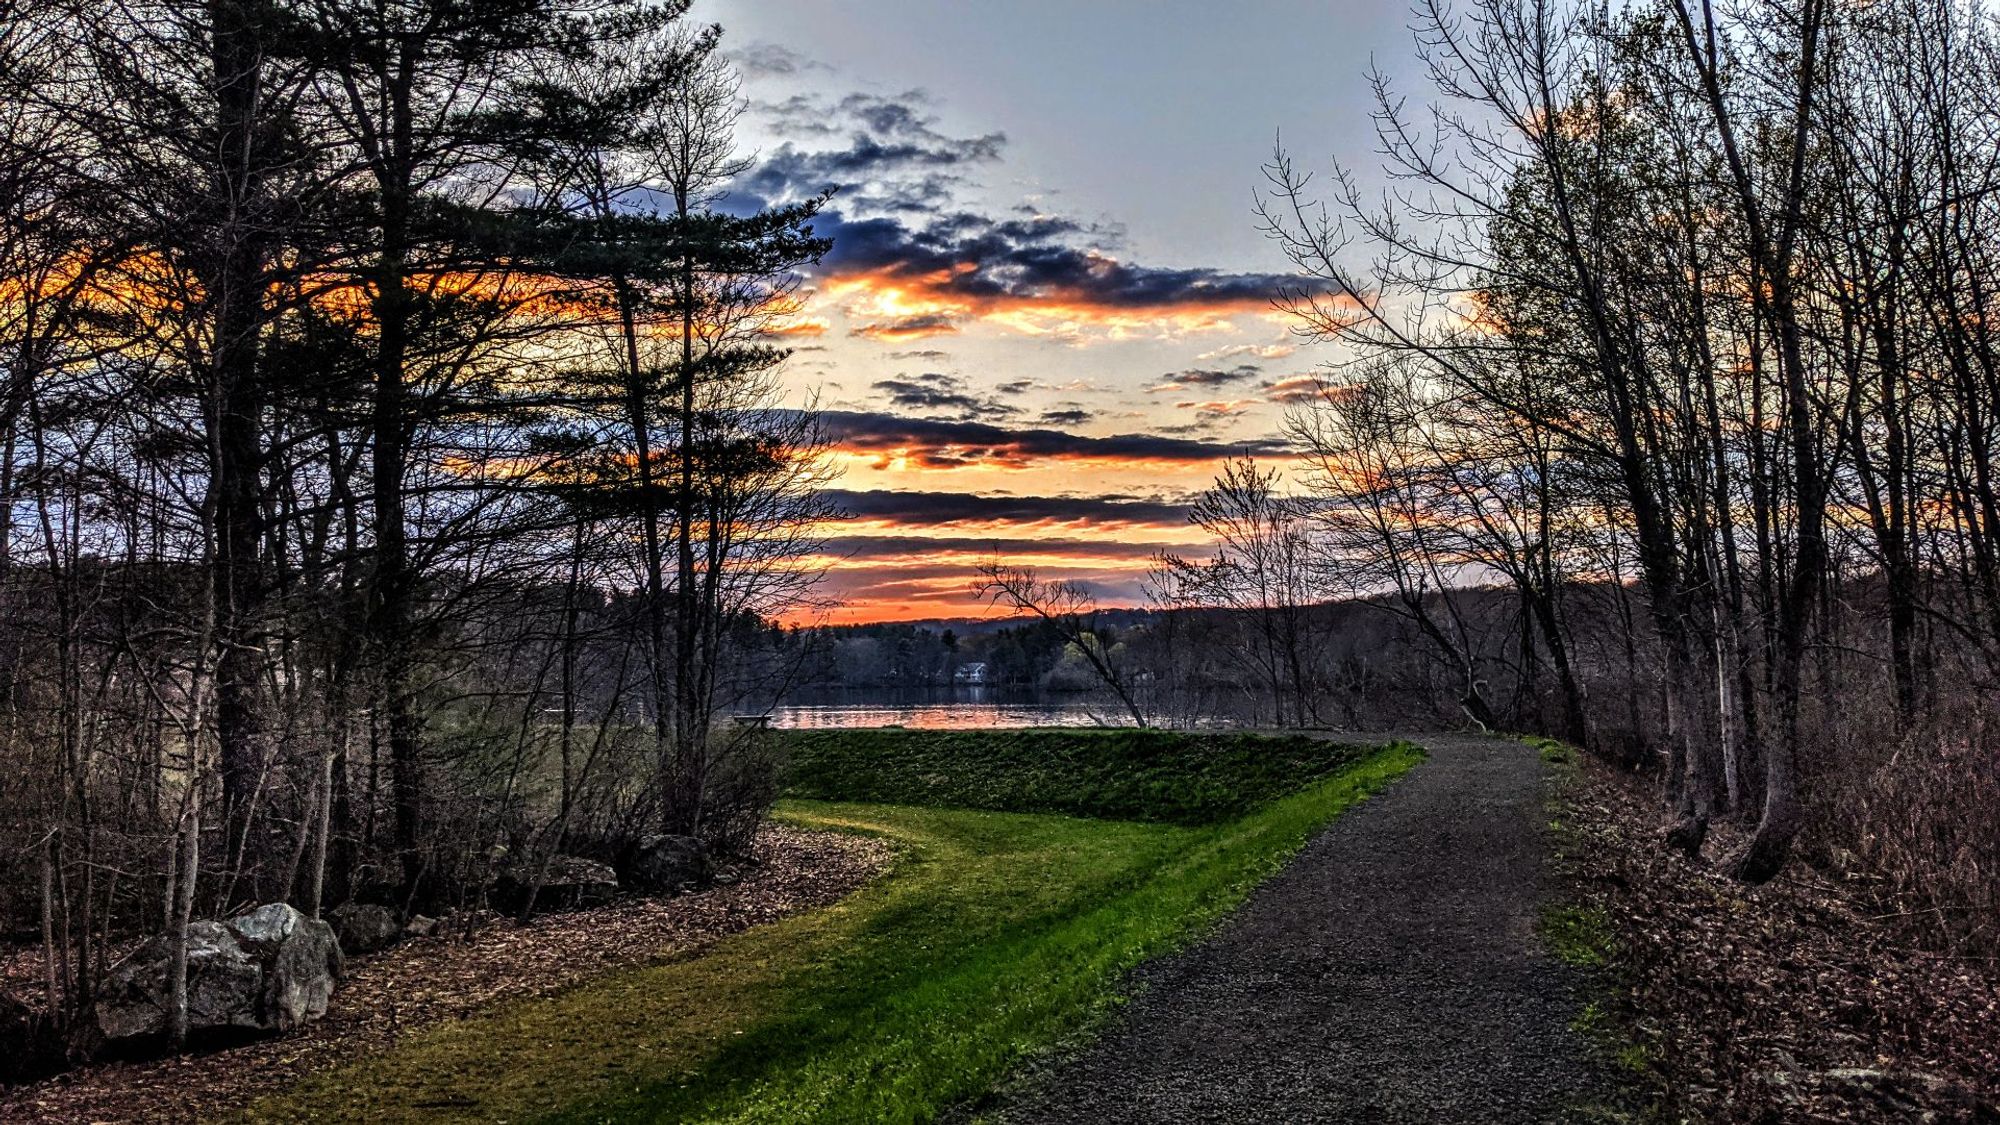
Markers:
1047,316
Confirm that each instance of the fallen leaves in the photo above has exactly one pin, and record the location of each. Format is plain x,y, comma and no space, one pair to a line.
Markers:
460,970
1786,1002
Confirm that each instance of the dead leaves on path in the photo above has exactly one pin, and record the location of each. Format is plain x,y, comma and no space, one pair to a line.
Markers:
452,975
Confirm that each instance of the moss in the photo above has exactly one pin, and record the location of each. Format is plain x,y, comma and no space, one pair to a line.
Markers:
1553,751
1604,1028
1579,931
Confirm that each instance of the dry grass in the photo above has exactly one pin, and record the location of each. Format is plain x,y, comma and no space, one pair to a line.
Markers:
1913,823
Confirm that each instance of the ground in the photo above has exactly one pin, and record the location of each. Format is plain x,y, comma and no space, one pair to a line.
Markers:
1386,968
424,983
1802,1000
1392,973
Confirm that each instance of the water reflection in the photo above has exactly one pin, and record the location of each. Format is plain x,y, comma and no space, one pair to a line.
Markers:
942,707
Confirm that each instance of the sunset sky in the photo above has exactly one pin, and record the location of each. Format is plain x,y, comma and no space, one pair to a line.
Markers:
1047,315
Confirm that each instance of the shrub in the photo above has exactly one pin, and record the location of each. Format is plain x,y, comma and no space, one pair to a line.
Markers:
746,770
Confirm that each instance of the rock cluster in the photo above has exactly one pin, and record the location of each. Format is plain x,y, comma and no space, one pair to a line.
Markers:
274,969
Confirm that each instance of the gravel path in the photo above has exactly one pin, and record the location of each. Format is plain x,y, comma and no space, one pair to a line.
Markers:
1390,974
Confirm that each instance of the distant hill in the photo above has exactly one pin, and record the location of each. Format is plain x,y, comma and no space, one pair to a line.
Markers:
1120,618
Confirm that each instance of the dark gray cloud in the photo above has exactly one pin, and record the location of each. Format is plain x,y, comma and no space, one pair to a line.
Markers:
893,157
769,60
1208,377
898,217
907,328
861,166
940,444
932,509
907,117
1068,414
938,393
981,260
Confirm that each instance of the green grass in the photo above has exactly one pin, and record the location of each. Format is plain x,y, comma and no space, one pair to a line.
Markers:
1578,929
997,935
1177,777
1553,751
1578,935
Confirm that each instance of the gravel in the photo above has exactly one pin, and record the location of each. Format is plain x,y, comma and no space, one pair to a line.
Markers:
1390,974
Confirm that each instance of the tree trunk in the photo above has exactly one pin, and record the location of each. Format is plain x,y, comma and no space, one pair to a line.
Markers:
392,583
236,54
189,865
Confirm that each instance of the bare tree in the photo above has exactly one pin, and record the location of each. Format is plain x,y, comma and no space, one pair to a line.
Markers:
1072,610
1265,571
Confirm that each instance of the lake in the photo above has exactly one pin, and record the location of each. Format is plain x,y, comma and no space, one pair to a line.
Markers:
943,707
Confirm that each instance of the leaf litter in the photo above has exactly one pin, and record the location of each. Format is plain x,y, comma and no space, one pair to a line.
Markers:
469,964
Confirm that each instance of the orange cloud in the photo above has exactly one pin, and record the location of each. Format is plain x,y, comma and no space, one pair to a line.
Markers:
1220,407
1307,388
924,587
1298,388
894,307
805,326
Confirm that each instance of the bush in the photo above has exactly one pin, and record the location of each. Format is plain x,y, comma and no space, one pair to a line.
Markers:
745,773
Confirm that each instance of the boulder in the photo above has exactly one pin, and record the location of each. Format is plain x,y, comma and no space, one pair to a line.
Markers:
301,960
566,882
364,927
420,925
270,970
667,865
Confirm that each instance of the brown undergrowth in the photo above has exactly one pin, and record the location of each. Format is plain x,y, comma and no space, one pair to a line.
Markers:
1789,1002
432,979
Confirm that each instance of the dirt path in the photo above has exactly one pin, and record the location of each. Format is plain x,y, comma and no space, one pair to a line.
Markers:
1390,974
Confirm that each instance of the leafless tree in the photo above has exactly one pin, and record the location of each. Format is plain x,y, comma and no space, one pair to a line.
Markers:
1682,294
1072,610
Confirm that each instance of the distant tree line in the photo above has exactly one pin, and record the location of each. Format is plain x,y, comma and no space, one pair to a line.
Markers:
1664,416
392,469
1026,654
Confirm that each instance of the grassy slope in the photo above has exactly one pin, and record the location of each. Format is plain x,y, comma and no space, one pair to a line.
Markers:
998,934
1119,774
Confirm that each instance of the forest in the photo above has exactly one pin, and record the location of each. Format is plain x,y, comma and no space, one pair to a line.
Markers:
389,406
